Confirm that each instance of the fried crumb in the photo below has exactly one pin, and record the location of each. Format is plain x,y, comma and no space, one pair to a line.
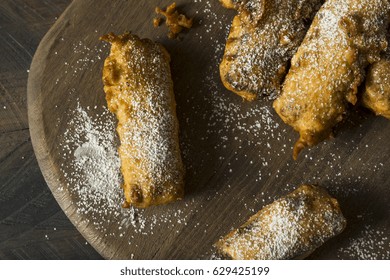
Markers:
175,21
157,22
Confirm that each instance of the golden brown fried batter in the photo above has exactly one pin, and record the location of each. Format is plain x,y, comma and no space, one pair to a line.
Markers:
345,37
263,37
289,228
231,4
376,95
139,90
175,21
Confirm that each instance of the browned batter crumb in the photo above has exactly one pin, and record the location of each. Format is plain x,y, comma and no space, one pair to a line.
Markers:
157,22
175,21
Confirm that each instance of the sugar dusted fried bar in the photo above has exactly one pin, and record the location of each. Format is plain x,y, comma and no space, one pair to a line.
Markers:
139,90
344,38
289,228
263,37
175,21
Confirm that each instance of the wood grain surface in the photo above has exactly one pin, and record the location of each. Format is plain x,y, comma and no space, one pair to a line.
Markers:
237,154
32,225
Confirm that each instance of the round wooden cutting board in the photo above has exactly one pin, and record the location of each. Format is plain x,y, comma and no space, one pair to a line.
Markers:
238,155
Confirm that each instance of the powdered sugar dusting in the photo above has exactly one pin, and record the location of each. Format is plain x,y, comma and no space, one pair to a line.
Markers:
89,149
370,244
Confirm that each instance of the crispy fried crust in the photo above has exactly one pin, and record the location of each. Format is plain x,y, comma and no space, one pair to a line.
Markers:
231,4
376,95
289,228
263,37
175,21
345,37
139,90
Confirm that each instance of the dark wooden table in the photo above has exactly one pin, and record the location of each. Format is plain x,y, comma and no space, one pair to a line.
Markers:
32,225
